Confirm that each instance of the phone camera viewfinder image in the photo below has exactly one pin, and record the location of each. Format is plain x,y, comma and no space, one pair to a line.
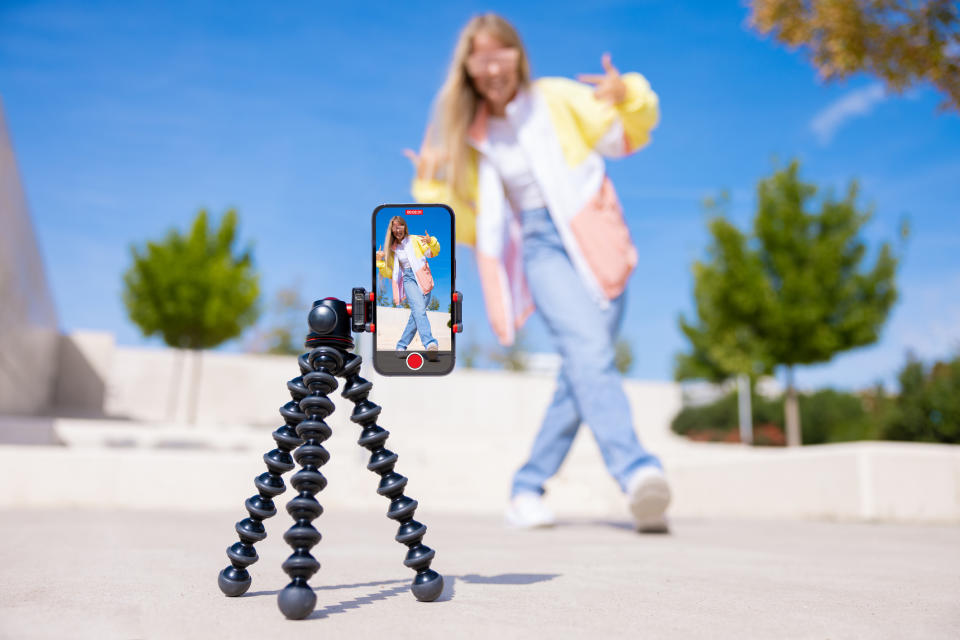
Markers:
413,283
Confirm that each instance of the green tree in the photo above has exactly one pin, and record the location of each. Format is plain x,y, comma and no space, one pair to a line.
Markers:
623,355
433,305
794,292
724,340
195,291
928,407
902,42
288,327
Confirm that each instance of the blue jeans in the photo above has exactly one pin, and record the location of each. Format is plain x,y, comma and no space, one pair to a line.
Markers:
418,313
589,387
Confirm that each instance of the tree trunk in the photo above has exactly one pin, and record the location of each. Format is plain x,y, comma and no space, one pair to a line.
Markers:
791,411
744,408
173,398
194,386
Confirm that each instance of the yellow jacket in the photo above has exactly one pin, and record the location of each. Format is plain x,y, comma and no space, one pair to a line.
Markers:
423,247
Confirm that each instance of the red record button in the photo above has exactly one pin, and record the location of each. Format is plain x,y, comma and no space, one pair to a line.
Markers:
414,361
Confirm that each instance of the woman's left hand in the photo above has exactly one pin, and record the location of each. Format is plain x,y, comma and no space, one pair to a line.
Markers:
609,86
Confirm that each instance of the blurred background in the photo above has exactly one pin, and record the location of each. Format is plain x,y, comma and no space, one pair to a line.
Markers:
181,179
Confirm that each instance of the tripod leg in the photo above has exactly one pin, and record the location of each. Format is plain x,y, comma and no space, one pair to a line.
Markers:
297,599
428,584
235,580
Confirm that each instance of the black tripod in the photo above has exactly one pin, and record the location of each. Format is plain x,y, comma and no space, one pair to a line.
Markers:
304,431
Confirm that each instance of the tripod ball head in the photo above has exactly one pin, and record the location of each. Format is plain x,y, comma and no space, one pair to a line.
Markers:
329,323
323,317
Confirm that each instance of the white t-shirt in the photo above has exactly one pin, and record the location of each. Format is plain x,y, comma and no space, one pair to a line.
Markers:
401,251
512,164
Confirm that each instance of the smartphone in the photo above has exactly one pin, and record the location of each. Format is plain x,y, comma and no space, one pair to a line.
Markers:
414,268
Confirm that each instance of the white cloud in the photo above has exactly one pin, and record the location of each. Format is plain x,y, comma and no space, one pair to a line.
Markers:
856,103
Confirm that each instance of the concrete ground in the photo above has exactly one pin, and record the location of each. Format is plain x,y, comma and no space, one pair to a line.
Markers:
124,574
391,322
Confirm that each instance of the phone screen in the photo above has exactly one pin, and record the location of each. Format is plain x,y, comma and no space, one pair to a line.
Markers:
414,267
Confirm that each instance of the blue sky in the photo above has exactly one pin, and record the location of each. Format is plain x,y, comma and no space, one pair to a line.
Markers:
127,117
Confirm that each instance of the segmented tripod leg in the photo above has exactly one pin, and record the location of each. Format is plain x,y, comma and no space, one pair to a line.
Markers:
297,599
428,584
235,579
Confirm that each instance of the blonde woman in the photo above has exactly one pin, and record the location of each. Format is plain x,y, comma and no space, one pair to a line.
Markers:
521,163
402,259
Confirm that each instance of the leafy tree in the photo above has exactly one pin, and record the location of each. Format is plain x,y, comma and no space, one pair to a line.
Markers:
285,335
433,305
623,355
195,291
902,42
928,407
794,292
829,416
724,341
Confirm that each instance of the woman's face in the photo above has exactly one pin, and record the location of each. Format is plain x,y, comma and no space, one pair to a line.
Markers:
493,66
398,230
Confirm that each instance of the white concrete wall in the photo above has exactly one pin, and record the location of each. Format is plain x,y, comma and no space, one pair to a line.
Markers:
889,482
460,438
28,321
156,386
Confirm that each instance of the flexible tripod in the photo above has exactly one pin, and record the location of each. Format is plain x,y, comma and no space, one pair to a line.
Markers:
303,433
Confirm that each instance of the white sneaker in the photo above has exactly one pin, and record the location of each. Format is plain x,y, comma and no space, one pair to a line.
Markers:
648,496
527,510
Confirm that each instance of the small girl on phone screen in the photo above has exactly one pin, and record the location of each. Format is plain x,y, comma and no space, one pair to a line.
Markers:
403,259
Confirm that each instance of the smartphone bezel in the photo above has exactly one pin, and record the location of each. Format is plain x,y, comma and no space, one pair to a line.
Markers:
373,283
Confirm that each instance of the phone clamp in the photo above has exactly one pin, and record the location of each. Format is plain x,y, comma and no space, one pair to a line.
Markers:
456,313
301,439
361,311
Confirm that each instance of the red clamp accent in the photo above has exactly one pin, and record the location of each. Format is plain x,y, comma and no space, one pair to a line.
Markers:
456,312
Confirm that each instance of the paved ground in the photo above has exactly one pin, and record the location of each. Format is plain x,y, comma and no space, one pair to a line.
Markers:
391,322
86,574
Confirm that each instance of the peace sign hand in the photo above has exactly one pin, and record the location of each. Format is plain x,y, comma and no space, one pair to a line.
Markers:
609,86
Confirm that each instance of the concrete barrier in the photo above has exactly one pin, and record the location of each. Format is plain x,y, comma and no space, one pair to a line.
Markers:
460,438
870,481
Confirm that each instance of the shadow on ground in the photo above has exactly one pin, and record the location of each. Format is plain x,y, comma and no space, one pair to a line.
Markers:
403,586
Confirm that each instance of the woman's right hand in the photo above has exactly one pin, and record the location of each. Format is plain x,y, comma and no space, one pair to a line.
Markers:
428,162
380,254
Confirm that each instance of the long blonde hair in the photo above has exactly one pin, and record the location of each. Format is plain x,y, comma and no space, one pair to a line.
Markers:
458,100
388,240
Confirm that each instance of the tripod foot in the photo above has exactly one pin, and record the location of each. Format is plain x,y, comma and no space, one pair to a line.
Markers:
234,582
296,601
427,586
